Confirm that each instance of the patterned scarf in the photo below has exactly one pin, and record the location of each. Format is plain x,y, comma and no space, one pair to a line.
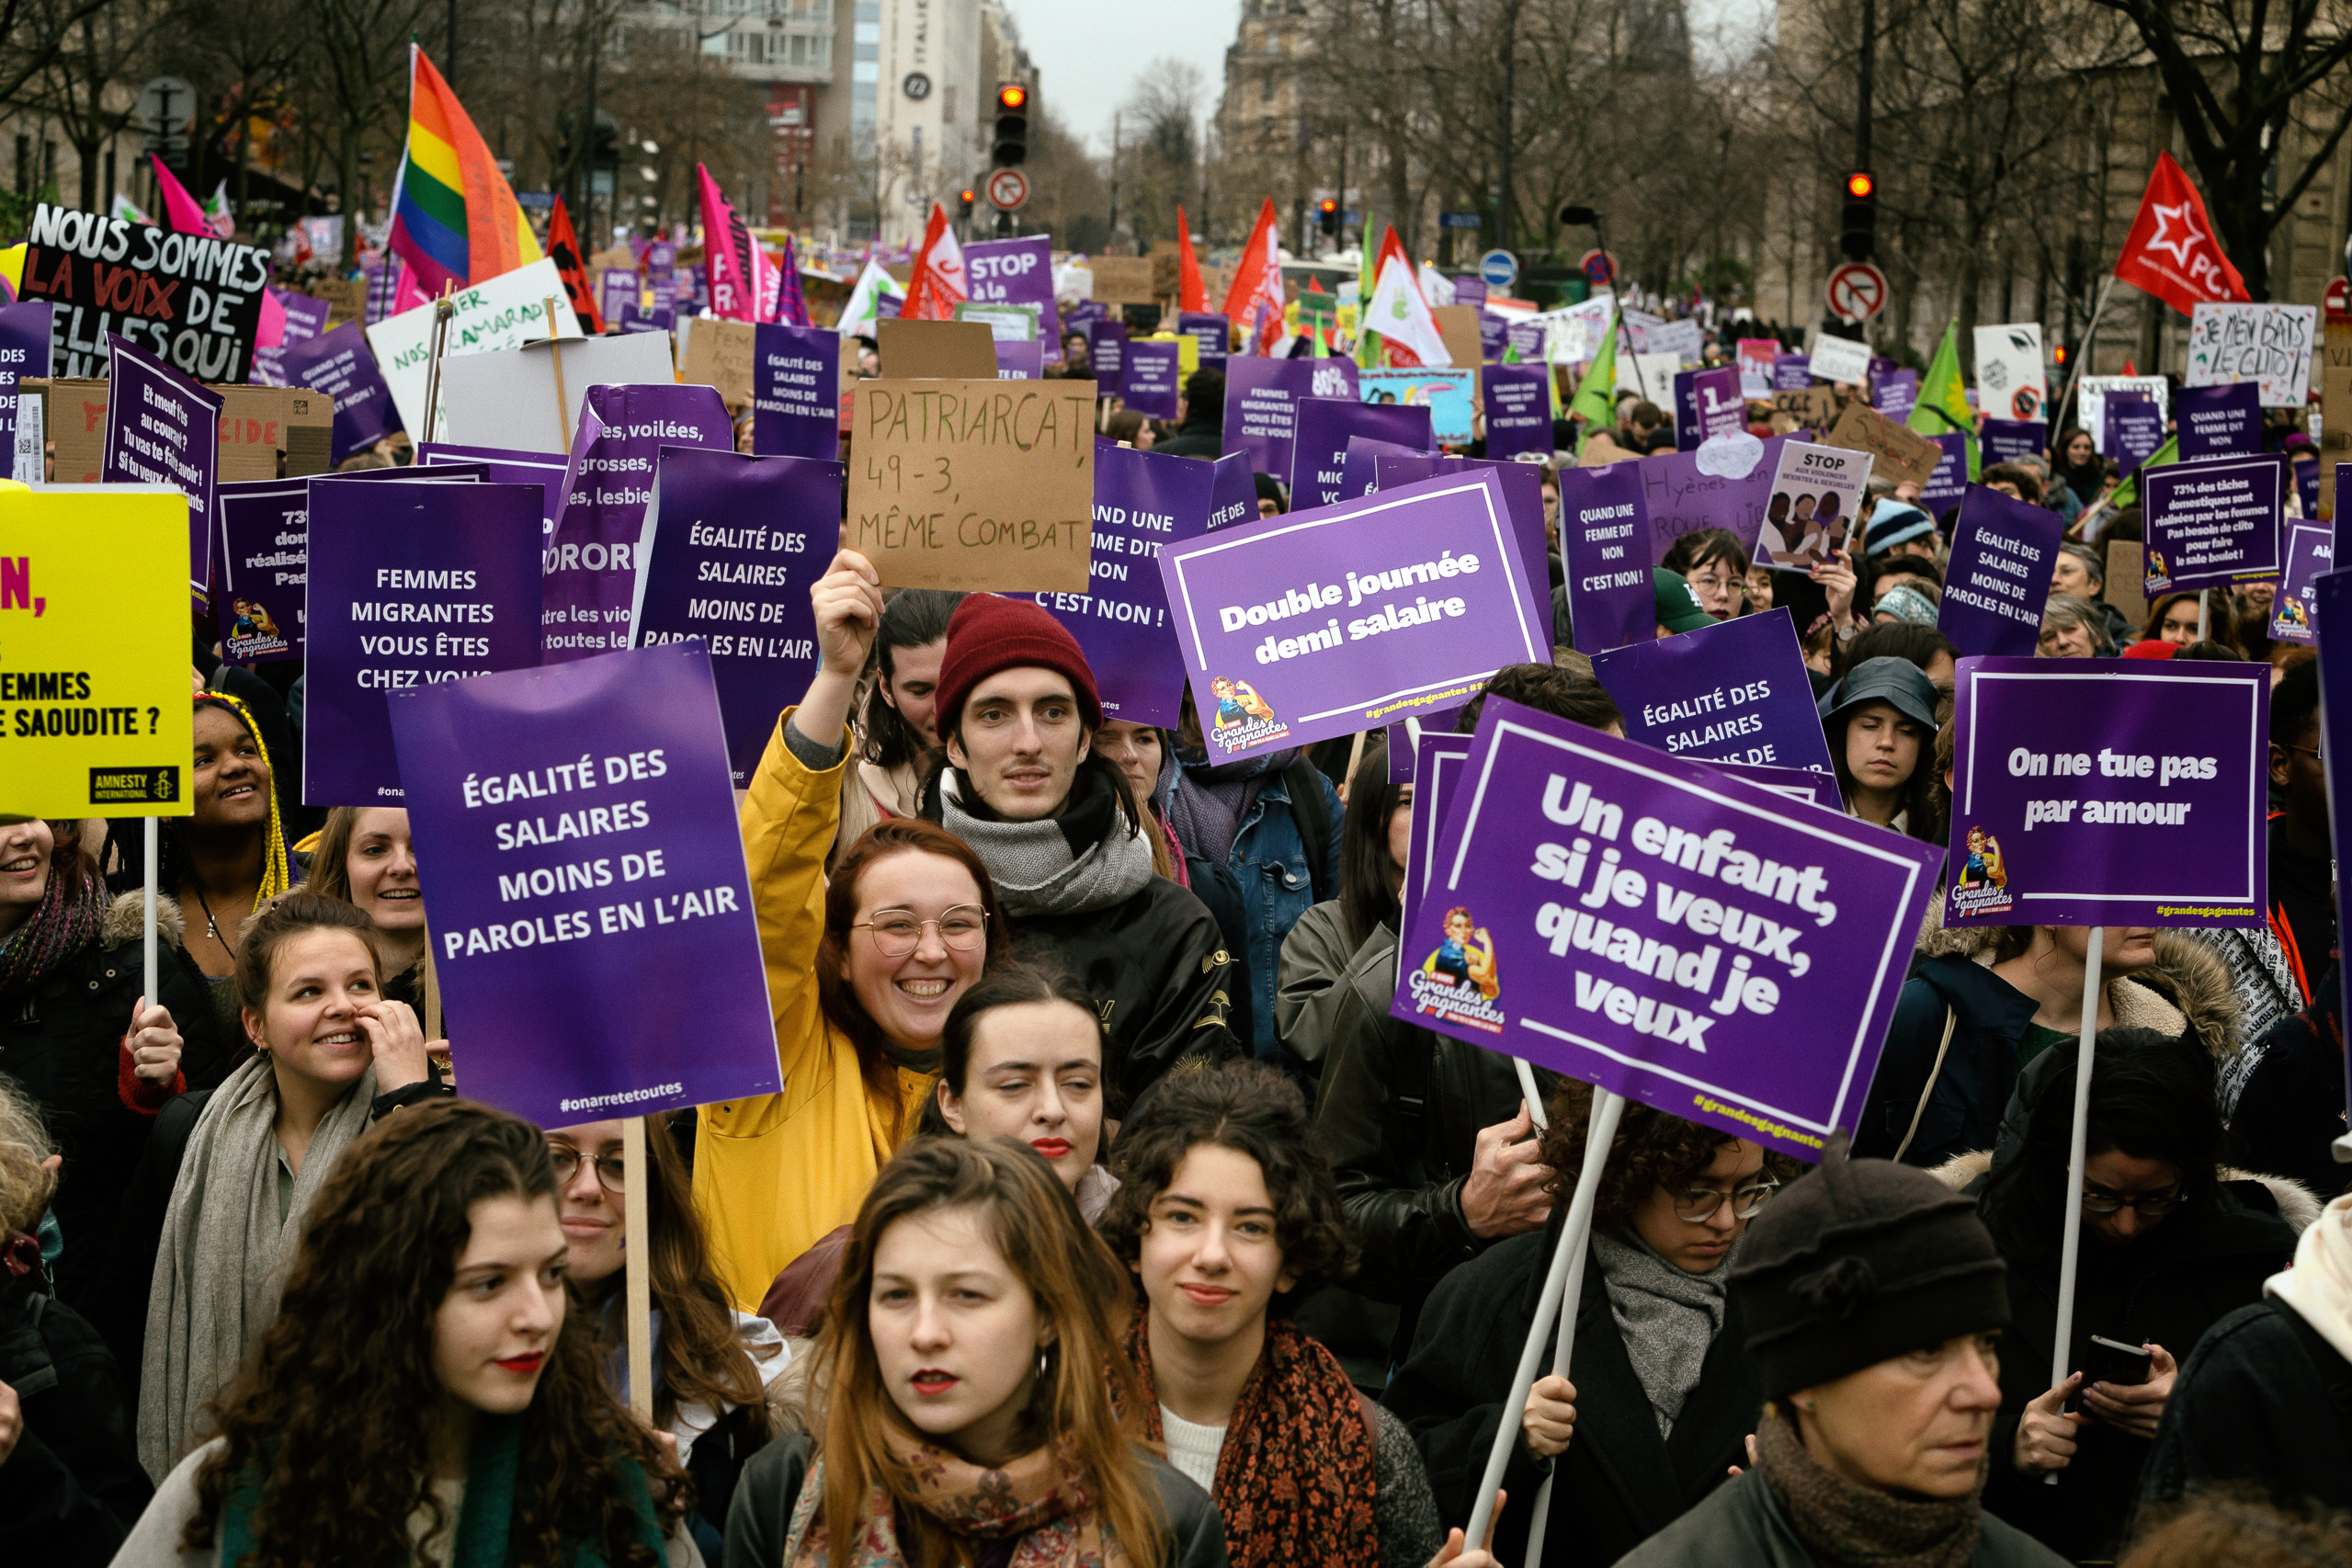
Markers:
1037,1507
66,922
1294,1478
1851,1526
276,870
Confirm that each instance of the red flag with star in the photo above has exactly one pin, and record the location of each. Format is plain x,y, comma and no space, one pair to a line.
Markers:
2171,251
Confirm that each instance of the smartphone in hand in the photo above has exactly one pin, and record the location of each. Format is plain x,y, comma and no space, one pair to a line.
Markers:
2109,1361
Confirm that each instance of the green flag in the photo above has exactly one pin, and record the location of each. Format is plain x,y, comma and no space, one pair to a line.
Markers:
1943,398
1594,396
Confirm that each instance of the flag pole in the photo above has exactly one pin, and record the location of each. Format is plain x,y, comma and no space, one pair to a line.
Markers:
2082,355
2070,1251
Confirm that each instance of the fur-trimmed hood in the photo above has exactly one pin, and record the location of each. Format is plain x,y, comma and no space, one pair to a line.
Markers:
126,921
2298,1204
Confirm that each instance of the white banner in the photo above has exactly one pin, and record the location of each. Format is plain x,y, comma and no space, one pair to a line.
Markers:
507,312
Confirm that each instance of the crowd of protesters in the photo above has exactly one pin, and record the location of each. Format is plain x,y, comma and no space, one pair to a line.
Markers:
1107,1216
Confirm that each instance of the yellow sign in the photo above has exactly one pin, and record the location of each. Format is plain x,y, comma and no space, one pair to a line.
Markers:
94,666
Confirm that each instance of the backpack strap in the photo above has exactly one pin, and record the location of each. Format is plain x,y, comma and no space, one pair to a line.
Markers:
1313,813
1951,1022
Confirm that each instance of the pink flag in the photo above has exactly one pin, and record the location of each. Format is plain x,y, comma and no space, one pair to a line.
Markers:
181,211
732,255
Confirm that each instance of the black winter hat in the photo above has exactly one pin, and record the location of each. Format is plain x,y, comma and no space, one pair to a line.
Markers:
1859,1261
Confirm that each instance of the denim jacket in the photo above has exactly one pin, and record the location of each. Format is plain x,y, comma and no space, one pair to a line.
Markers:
1269,861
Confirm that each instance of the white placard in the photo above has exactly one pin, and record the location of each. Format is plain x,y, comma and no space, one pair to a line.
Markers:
28,466
2092,396
2268,344
2012,378
504,313
1841,359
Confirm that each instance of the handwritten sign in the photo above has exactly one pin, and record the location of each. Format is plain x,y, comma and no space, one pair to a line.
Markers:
1897,453
2268,345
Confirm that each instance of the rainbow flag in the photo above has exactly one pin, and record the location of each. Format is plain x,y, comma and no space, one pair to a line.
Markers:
454,218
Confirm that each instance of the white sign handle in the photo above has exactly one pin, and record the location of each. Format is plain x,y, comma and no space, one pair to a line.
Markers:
2070,1254
147,972
638,1255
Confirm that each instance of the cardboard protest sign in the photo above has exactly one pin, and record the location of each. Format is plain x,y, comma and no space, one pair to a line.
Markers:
1122,279
720,353
974,484
2006,440
1143,502
585,831
1319,455
1895,393
1458,326
1017,272
503,465
1213,333
1656,928
24,352
2270,346
1233,494
936,350
94,710
1816,496
736,543
505,311
2109,792
2012,375
1998,577
596,550
2310,555
193,301
1284,647
412,584
530,398
1725,482
1604,530
1813,408
339,365
2135,428
2219,422
265,562
1519,410
796,379
2209,522
1736,691
1840,360
1949,482
1435,759
1897,453
1450,395
1261,405
161,428
2092,393
1149,379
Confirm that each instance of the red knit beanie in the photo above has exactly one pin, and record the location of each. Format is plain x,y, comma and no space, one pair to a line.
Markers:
2152,648
990,633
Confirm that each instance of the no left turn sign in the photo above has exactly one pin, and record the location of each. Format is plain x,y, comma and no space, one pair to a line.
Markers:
1857,292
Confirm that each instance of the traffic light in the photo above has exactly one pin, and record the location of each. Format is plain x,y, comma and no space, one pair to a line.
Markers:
1857,234
1327,216
1012,148
963,204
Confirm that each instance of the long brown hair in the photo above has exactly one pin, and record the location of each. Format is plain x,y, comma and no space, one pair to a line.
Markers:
1089,1402
329,1413
835,995
330,870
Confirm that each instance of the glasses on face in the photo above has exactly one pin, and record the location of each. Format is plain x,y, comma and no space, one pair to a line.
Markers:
1712,582
1696,1205
2311,752
2148,1205
612,1172
897,932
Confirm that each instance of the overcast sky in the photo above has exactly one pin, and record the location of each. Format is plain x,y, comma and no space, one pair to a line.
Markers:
1089,53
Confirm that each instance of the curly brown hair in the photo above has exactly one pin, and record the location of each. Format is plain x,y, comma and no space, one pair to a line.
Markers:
1253,1111
328,1413
1650,1150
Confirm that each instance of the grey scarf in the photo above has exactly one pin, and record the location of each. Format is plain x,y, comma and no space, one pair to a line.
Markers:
224,1251
1035,868
1666,1316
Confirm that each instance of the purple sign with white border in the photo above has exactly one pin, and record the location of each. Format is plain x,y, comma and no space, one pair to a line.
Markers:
1148,374
795,386
1518,409
1736,691
1261,405
1145,502
2135,428
1107,350
1212,332
2310,555
1998,577
1603,526
339,365
1319,454
163,428
264,558
2219,422
2207,523
1949,482
1895,393
1436,761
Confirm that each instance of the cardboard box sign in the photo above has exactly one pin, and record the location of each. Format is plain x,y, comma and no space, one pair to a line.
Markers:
347,299
258,425
1122,279
936,350
1900,453
719,353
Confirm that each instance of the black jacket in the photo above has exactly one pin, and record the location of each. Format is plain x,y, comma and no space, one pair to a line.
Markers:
2291,1111
2169,1286
61,1044
1744,1524
2263,1398
1203,435
760,1518
73,1488
1619,1483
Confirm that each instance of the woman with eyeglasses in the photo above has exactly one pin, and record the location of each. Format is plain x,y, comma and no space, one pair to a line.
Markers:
1661,1393
2171,1243
863,970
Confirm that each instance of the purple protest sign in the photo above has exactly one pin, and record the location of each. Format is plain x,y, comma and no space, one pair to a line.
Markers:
410,583
2219,422
1895,394
2135,428
795,383
1949,482
1748,990
2310,555
1358,476
503,465
1707,405
24,351
1794,783
1998,576
1261,404
2209,522
1603,530
1233,494
1470,290
1518,409
2109,792
1724,485
1107,349
1435,758
732,558
1522,493
1493,336
1736,691
1284,649
1145,502
1020,359
305,319
2005,440
1019,272
340,366
1148,374
584,837
592,555
1526,339
264,560
1792,372
1319,455
615,286
163,428
1212,332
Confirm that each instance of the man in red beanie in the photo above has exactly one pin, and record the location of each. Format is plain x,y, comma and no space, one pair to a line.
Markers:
1059,831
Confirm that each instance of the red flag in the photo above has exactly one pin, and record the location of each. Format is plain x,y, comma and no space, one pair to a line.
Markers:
1254,301
2128,369
2171,252
1192,294
937,285
564,247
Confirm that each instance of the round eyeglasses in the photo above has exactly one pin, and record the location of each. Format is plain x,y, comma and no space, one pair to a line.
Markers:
898,932
1697,1205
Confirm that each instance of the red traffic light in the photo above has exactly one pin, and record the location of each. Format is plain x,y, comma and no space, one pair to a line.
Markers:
967,197
1012,96
1329,205
1860,185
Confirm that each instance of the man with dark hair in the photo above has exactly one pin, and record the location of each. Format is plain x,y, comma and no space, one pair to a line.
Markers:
2015,480
2302,906
1201,417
